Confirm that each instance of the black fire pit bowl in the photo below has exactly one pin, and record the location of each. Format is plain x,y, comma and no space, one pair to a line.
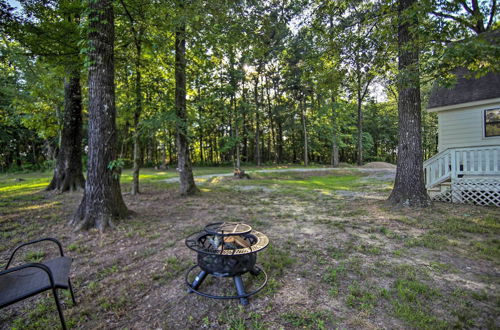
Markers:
226,249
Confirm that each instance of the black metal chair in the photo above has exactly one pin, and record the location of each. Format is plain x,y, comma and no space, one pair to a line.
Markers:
30,279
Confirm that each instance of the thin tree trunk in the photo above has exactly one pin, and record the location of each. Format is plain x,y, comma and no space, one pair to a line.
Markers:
170,149
257,124
280,142
163,156
124,141
102,200
244,123
68,173
272,137
409,188
360,117
202,159
187,185
304,130
335,147
137,114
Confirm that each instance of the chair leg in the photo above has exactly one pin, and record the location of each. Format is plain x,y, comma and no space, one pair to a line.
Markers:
71,290
59,310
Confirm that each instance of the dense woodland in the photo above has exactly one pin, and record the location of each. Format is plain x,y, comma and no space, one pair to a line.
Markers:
275,81
229,82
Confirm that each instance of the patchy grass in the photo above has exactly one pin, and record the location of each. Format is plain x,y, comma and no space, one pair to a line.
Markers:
339,255
307,319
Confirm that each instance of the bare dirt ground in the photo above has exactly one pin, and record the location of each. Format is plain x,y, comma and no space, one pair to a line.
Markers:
339,257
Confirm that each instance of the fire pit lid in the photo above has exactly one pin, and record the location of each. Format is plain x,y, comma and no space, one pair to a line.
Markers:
196,242
227,228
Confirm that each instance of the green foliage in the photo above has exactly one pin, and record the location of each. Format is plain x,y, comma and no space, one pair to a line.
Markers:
254,69
116,167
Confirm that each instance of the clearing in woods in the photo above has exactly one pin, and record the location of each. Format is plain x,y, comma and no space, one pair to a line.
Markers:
339,256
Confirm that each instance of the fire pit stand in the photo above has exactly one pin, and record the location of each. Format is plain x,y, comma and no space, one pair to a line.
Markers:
226,249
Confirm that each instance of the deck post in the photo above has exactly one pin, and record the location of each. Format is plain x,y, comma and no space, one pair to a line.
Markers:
453,174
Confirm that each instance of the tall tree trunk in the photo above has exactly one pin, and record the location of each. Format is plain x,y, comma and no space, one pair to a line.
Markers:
304,130
102,200
244,123
234,128
238,153
68,173
200,121
170,149
211,152
335,146
163,156
123,149
258,158
137,116
202,159
360,118
272,137
280,142
409,189
187,185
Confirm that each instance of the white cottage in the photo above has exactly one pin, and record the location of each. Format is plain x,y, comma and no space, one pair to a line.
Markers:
467,166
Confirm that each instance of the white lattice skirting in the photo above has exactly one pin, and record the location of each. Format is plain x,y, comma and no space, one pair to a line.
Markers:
476,191
443,197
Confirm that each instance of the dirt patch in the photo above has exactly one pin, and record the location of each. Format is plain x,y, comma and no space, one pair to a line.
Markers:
380,165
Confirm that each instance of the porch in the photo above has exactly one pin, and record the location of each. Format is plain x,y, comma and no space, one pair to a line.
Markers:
465,175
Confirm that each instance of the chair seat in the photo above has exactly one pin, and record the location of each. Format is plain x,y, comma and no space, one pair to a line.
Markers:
26,282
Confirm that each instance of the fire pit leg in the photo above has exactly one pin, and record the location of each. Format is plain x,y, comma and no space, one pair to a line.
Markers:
197,281
255,271
240,288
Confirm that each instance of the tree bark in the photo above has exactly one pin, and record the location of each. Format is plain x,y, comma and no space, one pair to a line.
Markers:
409,188
304,130
102,199
68,173
258,158
335,146
187,185
272,131
360,117
137,115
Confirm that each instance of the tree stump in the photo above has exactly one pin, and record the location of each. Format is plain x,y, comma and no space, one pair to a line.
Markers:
240,174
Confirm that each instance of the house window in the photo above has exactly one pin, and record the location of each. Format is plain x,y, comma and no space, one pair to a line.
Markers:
492,122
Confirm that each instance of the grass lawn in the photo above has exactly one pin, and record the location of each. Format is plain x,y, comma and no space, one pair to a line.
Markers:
339,255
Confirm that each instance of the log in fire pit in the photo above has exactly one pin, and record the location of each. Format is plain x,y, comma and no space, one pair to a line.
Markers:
226,249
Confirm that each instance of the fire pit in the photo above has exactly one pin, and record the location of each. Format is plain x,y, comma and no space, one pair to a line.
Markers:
226,249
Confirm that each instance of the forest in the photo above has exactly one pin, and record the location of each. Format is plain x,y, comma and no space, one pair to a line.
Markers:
267,82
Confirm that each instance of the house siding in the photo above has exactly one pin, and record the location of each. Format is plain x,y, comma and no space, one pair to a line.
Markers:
464,127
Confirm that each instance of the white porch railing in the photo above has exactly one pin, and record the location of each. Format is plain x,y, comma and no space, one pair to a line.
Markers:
437,169
457,162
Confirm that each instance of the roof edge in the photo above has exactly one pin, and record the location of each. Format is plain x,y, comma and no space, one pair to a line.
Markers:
464,105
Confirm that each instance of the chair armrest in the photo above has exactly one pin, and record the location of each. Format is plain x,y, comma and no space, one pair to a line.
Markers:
33,242
32,265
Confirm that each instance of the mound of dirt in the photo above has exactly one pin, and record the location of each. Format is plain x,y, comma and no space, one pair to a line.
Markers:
380,165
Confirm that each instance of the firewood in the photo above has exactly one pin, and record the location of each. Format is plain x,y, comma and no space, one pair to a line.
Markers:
241,241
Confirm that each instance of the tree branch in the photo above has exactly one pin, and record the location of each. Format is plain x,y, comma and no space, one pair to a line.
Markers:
492,14
132,21
466,7
455,18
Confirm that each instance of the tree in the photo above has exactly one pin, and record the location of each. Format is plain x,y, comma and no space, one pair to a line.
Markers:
478,16
362,53
138,26
68,172
102,200
51,32
409,188
187,185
